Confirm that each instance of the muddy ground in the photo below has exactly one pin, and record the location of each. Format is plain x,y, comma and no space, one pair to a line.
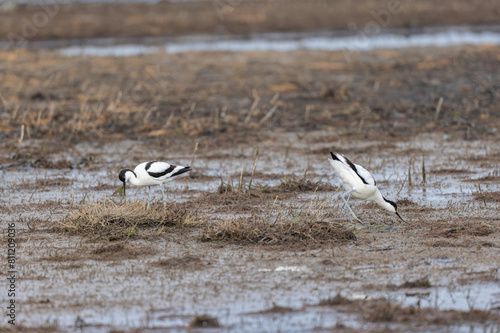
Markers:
424,121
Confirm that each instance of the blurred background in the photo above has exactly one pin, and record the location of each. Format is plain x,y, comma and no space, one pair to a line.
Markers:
141,19
197,58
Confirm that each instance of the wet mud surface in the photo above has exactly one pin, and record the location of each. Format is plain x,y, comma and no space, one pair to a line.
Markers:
261,124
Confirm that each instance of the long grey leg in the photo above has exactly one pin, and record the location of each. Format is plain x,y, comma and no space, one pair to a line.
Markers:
347,208
346,205
164,196
149,196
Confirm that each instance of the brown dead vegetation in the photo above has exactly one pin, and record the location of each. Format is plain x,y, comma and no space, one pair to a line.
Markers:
271,222
107,219
285,228
133,103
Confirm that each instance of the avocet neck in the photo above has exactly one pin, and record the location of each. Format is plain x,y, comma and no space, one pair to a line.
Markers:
132,178
384,203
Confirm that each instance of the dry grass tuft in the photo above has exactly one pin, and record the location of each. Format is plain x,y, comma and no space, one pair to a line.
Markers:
287,227
114,221
306,225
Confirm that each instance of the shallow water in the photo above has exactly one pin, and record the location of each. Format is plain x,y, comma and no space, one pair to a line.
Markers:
242,310
237,284
291,42
390,172
462,298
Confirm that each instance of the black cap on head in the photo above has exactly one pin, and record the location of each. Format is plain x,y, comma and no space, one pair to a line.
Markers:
395,208
393,204
122,175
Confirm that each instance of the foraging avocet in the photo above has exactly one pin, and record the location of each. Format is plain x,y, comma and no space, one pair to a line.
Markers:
152,173
360,183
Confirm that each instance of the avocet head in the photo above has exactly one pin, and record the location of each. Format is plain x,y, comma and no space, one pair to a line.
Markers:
124,176
392,207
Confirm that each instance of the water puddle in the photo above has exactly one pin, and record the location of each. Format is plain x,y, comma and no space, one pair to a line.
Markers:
463,298
291,42
246,290
250,315
286,269
128,50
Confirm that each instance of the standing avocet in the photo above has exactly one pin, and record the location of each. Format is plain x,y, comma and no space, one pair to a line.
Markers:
152,173
360,183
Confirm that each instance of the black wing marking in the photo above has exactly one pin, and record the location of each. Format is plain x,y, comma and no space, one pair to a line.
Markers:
181,171
353,167
335,158
159,174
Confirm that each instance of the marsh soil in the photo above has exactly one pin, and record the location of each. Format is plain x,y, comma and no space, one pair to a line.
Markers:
69,124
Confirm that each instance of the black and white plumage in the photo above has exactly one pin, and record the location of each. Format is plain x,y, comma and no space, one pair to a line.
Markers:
152,173
359,183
